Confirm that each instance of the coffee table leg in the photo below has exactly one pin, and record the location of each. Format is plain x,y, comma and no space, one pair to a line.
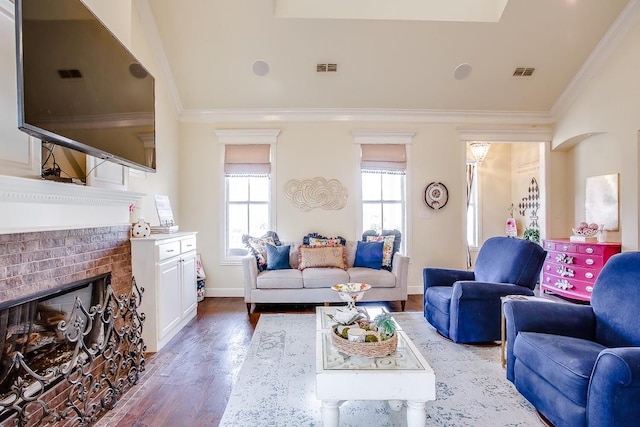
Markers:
331,413
416,413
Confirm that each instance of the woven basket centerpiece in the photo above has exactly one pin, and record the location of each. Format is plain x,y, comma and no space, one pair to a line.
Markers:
380,348
367,339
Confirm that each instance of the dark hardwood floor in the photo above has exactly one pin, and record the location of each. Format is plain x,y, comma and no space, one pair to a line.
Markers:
189,381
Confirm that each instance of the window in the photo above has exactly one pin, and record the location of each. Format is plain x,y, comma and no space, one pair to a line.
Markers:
473,233
247,170
248,199
383,171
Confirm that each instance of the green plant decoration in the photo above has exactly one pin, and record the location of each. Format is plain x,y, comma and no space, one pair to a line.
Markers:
386,325
532,235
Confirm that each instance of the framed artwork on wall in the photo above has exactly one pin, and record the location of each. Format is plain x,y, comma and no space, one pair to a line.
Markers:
602,201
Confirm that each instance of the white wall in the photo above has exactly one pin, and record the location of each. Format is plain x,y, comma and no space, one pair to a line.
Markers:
307,150
610,103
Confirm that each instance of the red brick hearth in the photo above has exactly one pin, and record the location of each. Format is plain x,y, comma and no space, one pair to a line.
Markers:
39,262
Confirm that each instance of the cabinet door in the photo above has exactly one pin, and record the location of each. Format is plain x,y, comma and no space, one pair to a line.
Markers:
169,313
189,283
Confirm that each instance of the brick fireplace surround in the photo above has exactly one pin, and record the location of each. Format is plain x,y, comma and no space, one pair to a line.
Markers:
41,261
33,262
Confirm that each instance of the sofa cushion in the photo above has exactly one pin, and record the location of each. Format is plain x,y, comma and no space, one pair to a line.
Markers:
278,257
258,247
321,256
280,279
369,254
564,362
323,277
375,278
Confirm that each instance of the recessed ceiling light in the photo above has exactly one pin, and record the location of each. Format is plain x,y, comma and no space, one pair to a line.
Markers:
462,71
260,68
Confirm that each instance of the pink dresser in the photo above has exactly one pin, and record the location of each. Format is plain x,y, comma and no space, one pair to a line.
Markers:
571,268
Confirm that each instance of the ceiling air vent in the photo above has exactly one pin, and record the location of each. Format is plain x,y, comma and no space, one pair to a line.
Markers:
326,68
523,72
70,74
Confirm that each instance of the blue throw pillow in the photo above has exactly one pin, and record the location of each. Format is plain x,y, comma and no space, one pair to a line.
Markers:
278,257
369,254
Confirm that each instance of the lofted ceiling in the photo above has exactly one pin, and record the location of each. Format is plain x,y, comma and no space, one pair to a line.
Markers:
209,46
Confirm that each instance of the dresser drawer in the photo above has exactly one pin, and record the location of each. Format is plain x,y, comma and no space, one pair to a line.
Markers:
576,259
571,271
567,286
167,250
591,249
187,245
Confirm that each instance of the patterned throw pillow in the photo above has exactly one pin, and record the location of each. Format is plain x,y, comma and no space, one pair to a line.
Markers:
258,247
322,256
391,239
315,239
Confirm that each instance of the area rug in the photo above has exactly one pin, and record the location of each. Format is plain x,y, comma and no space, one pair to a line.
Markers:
276,384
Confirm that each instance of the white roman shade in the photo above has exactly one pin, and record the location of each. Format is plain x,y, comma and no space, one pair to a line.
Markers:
244,160
384,157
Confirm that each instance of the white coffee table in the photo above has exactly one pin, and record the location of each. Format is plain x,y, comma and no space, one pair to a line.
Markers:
401,376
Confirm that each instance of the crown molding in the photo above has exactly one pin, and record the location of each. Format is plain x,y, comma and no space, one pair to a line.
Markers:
362,115
609,42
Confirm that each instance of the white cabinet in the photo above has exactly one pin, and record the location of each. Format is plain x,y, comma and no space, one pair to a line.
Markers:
165,266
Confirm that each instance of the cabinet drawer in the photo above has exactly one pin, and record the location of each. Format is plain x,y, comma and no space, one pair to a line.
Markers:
571,271
591,249
167,250
577,259
187,245
568,285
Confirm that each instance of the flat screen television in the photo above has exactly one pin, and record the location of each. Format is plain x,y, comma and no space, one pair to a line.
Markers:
79,87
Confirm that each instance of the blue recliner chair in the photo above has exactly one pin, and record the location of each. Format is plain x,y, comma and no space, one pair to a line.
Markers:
579,365
465,306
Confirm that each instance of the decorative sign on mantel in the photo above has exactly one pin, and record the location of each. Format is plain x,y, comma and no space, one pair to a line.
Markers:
318,192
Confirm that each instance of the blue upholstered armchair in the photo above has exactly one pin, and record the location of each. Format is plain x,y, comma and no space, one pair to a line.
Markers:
465,305
579,365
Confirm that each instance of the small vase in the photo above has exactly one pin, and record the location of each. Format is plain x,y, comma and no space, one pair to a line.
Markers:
602,235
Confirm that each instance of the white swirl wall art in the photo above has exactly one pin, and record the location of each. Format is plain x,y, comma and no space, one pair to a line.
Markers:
307,194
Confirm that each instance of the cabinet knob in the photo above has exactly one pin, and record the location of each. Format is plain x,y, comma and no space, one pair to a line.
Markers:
589,289
589,261
588,275
170,250
589,250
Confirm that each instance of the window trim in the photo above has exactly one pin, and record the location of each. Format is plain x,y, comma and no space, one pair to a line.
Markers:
478,205
361,137
243,137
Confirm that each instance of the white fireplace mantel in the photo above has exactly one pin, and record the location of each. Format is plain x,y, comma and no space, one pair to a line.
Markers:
28,204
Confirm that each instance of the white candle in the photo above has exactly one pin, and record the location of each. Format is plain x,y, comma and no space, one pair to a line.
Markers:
356,334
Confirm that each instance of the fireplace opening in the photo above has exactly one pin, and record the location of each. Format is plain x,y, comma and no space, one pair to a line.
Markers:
35,334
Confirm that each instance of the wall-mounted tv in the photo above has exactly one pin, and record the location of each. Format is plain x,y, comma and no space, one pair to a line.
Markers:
79,87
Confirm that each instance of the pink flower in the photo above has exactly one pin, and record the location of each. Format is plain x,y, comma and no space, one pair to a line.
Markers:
132,207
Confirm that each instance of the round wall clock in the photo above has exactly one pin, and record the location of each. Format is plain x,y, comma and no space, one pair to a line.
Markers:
436,195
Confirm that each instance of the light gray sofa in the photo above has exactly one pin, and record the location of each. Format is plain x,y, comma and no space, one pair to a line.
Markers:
313,285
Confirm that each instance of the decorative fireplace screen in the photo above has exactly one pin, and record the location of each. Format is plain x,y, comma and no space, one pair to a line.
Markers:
69,354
